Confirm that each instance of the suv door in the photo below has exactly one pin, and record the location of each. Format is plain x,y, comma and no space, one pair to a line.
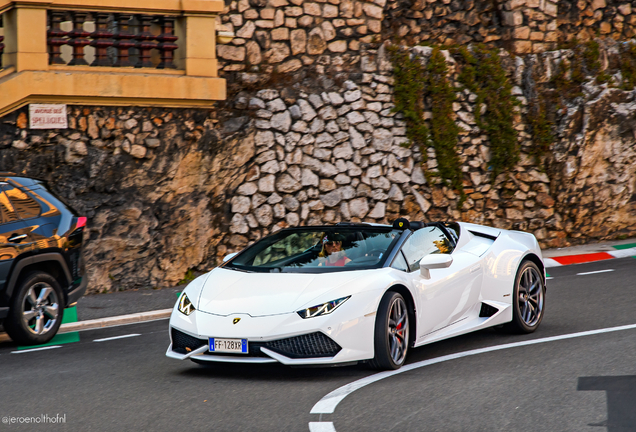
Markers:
14,236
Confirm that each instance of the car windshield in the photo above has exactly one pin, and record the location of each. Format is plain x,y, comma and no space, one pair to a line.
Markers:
318,250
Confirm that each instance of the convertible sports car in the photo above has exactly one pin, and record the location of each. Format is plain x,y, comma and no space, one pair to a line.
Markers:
355,292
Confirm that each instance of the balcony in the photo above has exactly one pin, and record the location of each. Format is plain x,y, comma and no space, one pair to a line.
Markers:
109,52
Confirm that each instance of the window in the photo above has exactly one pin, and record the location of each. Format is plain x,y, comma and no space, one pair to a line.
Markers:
399,262
24,204
7,213
318,250
289,246
425,241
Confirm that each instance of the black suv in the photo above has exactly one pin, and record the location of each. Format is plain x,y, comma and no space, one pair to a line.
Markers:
41,265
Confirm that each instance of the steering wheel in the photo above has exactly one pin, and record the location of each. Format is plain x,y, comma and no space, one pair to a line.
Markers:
373,252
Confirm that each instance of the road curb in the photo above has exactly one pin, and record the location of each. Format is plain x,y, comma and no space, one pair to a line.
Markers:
115,321
107,322
558,261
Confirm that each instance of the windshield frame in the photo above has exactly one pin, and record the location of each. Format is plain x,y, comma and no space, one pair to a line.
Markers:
385,261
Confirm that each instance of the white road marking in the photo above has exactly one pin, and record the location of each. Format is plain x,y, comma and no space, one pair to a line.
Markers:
623,253
328,404
321,427
36,349
117,337
549,262
594,272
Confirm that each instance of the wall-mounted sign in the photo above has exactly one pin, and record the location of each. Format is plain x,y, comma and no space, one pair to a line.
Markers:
47,116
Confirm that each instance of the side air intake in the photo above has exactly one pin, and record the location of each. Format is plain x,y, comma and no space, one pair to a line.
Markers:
487,311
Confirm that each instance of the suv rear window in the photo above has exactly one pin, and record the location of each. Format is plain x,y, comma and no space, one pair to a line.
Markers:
7,214
24,204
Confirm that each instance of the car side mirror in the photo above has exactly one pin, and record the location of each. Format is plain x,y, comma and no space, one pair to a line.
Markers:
229,256
434,261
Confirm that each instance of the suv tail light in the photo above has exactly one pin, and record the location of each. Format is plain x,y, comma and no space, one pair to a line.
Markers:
81,222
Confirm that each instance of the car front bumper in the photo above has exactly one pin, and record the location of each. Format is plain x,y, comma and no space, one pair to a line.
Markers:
285,338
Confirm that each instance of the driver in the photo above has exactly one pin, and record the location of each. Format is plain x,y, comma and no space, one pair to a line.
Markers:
332,251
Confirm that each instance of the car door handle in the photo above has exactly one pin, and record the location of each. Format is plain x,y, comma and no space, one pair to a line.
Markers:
475,268
17,238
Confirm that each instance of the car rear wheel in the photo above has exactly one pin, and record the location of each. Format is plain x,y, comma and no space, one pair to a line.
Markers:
391,332
528,299
36,310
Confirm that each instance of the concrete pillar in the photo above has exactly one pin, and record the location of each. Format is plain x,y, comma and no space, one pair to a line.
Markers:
25,38
197,45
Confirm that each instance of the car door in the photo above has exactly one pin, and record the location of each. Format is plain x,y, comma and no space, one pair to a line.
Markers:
14,236
446,297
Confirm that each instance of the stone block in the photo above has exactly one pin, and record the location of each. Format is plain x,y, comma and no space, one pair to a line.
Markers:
329,11
512,18
290,66
281,33
247,31
625,9
293,11
313,9
372,11
298,39
232,53
550,9
598,4
522,47
521,32
537,36
337,46
316,43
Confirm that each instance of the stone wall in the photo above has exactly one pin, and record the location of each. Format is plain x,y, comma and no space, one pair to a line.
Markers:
150,181
285,35
587,19
335,155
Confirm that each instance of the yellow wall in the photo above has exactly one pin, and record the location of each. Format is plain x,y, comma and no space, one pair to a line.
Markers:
27,76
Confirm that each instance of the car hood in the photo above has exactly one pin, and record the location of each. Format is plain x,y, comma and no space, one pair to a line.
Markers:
228,292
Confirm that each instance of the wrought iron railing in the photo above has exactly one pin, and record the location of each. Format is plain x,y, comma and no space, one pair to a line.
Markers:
118,39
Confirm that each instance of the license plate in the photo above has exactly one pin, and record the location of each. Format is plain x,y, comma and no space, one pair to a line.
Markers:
238,346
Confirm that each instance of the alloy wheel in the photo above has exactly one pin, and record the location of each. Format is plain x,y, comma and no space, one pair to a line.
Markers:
398,330
40,308
530,296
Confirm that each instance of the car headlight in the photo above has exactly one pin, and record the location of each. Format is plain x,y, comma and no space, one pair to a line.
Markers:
185,305
322,309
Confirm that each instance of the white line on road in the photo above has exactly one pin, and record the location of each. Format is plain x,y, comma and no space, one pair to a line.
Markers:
321,427
594,272
328,403
117,337
549,262
36,349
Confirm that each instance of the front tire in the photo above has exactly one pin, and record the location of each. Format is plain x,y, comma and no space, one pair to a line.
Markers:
36,310
391,338
528,301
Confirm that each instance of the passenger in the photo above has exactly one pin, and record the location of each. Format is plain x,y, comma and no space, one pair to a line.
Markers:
332,252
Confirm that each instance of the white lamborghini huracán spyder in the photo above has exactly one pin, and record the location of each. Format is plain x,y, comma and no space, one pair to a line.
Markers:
350,292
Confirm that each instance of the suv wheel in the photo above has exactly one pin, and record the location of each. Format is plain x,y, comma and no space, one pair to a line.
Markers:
36,310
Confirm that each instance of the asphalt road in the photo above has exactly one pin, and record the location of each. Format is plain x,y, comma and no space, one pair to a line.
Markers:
586,383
